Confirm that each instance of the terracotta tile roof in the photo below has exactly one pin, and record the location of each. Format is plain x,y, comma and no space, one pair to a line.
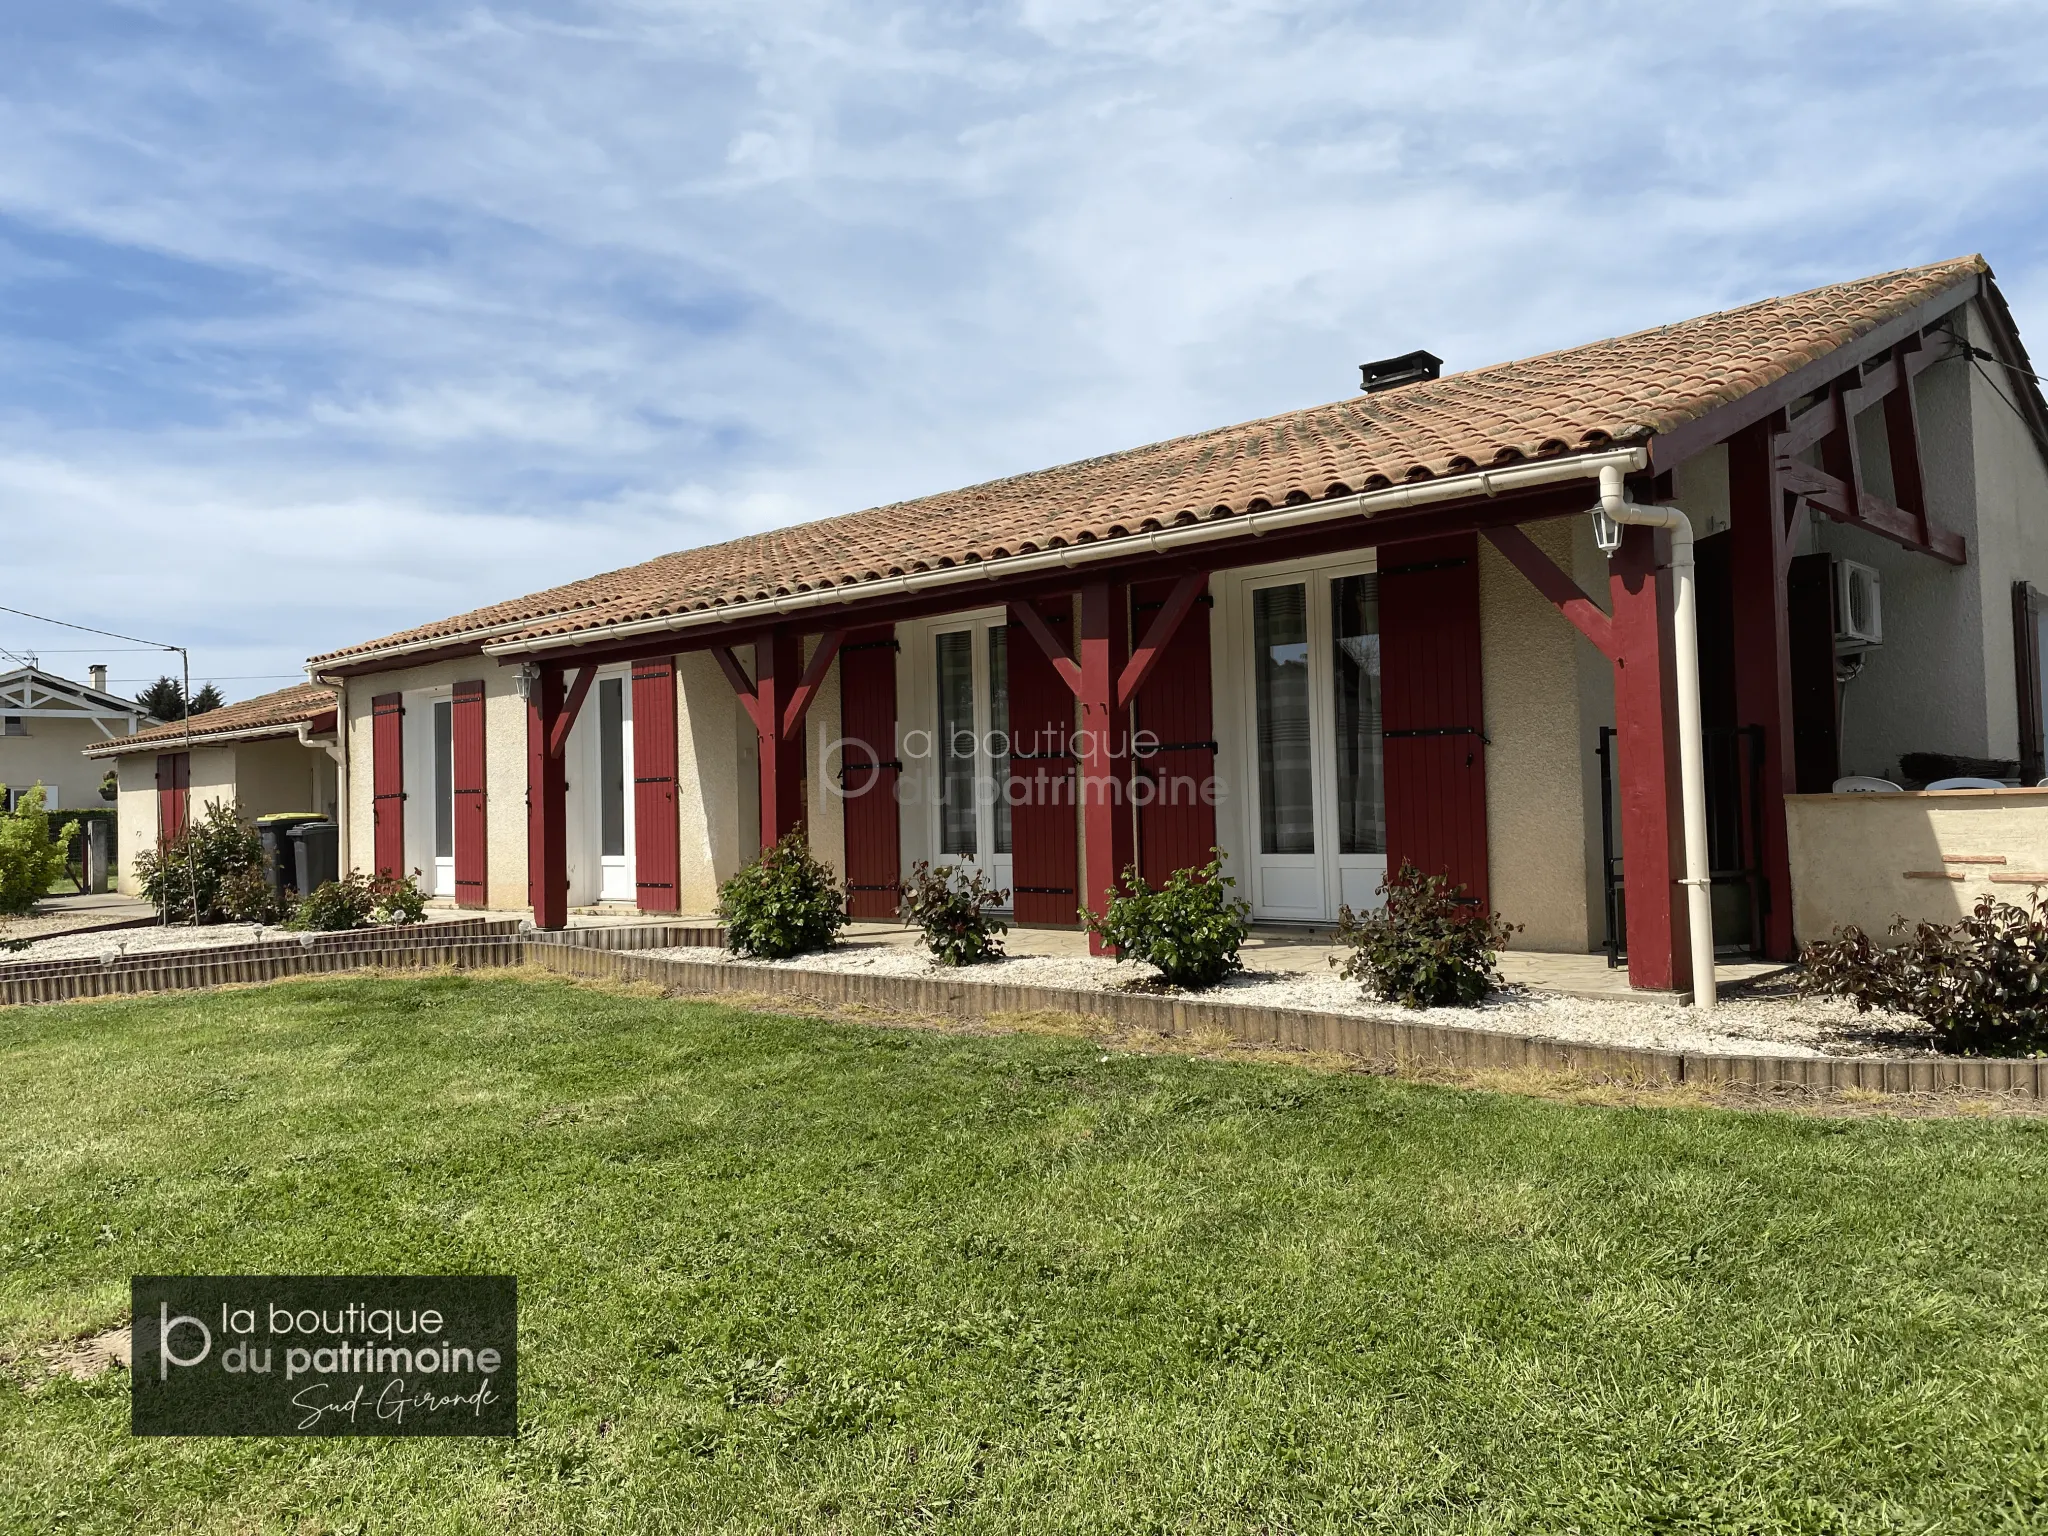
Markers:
1623,390
276,714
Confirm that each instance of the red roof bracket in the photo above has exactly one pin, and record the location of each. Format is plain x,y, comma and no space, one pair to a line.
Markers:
1585,615
1159,635
572,706
742,684
813,678
1064,664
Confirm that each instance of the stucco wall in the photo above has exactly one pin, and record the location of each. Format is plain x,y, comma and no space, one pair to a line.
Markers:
1535,808
1855,857
50,755
281,776
135,809
1943,679
717,795
504,765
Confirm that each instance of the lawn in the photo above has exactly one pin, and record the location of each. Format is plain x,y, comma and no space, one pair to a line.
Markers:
779,1273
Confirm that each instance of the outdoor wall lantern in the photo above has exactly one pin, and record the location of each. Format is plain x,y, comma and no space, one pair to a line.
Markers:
528,676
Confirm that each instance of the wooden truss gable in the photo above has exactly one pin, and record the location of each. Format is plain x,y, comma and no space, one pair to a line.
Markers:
36,695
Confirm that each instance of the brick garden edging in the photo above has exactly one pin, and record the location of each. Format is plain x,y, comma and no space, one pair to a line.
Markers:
1391,1042
479,945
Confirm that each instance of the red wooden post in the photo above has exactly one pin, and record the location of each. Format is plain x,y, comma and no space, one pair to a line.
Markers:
778,667
547,804
1639,581
1107,835
1763,657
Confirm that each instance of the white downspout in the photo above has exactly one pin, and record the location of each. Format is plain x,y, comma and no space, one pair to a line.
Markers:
341,816
1692,769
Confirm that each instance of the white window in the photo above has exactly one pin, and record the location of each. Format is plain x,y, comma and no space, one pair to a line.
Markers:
1304,687
427,750
600,799
955,744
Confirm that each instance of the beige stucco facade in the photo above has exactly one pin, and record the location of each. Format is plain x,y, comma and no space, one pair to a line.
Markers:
1536,727
258,777
1928,857
48,753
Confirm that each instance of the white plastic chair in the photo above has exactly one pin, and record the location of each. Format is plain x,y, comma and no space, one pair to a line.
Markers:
1968,783
1863,784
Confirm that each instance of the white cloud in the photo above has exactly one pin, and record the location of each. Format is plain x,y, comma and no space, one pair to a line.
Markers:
464,300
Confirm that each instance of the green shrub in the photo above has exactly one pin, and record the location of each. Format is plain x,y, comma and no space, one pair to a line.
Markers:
784,903
1980,983
1425,948
30,858
399,899
337,905
358,900
1191,928
956,911
203,874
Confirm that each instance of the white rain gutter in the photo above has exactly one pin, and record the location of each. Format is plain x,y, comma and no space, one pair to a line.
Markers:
1487,482
1692,775
339,751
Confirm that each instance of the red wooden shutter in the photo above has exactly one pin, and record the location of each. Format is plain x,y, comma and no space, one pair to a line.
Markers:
1431,710
867,719
657,833
1177,828
387,783
472,821
173,780
1045,869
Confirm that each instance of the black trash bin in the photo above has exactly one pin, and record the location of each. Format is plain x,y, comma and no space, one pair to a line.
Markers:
317,854
280,861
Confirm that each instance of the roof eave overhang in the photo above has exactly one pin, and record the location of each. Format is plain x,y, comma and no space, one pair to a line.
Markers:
413,653
1724,421
1444,491
286,730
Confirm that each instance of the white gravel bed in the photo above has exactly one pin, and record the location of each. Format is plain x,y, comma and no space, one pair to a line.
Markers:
156,940
1760,1026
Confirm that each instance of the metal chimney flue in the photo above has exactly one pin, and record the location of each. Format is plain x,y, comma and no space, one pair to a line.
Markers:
1392,372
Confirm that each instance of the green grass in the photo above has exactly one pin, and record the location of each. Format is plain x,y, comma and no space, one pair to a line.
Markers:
785,1274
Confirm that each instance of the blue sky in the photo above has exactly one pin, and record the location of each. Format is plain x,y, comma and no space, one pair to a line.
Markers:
321,320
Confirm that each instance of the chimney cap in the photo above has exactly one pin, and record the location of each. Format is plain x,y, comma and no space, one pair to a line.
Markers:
1392,372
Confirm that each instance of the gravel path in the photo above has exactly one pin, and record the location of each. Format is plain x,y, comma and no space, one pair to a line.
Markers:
1772,1024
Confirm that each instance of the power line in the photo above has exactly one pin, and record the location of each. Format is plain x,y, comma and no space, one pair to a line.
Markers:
42,618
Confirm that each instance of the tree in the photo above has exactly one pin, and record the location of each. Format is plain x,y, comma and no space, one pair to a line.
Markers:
30,856
164,699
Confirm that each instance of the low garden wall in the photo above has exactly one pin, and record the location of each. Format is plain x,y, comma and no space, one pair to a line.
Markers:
1864,859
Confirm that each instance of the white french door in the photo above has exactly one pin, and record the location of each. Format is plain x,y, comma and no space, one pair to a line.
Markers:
600,761
956,745
1315,809
427,747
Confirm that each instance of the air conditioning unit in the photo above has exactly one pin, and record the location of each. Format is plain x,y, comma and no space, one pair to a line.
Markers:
1859,606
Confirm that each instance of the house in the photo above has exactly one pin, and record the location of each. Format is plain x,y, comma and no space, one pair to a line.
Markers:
1331,641
46,721
278,752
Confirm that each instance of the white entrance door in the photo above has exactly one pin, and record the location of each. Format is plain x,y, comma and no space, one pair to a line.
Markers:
614,770
1316,822
971,747
600,798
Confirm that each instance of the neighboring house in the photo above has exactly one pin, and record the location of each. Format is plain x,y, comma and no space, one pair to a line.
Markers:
1339,639
46,721
274,753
